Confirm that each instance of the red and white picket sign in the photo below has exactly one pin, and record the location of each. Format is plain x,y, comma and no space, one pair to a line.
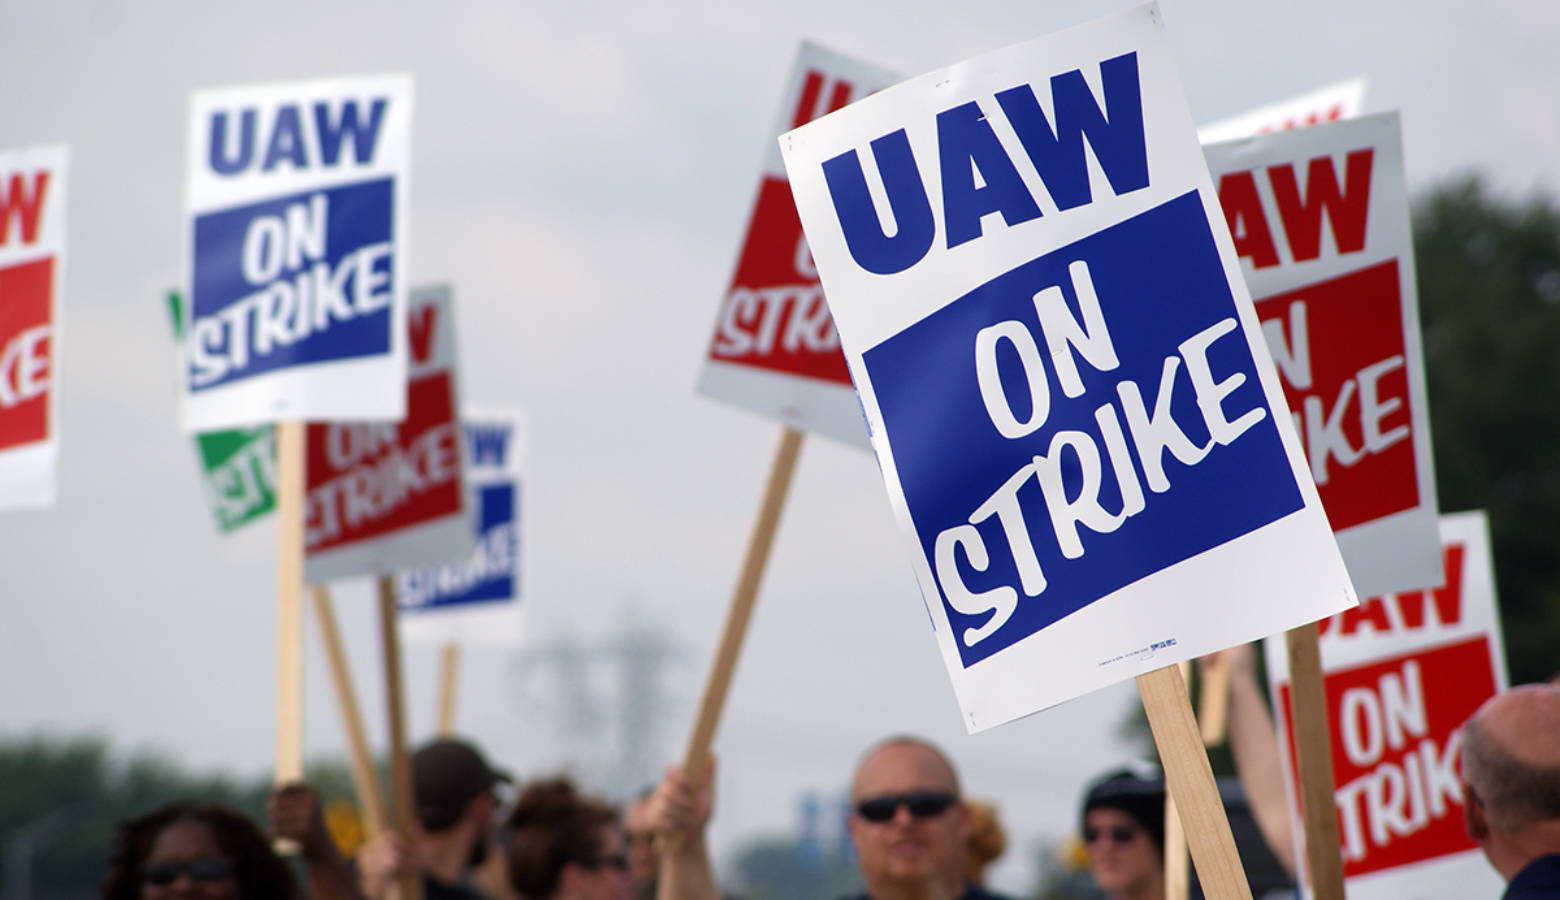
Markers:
1332,103
32,280
384,496
1403,672
1320,220
775,351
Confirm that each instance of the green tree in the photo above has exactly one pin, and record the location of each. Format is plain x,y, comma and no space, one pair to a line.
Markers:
1488,272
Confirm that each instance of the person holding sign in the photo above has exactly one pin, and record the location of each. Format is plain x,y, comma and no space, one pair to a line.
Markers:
453,785
1511,781
908,823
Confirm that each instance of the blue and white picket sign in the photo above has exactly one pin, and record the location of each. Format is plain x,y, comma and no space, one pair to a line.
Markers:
1069,395
477,600
297,197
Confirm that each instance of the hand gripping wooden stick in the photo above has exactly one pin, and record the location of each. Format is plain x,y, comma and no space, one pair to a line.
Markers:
741,610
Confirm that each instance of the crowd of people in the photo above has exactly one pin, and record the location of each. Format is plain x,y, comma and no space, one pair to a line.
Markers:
915,834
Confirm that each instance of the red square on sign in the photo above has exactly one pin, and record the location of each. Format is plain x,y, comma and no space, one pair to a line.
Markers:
26,358
367,480
1396,733
775,316
1345,376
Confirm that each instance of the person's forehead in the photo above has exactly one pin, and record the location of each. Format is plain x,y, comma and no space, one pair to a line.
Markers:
183,837
903,767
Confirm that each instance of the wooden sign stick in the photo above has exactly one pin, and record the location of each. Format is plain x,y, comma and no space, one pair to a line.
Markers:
449,667
1313,760
402,801
1178,870
1189,779
363,779
289,610
742,604
1213,700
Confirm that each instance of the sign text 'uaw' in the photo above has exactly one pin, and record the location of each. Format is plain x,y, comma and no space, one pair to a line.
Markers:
775,350
1402,673
1066,383
32,274
381,496
1319,218
297,196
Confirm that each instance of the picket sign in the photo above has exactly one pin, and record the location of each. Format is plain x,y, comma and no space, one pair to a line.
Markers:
1054,192
297,264
364,782
476,599
33,184
1343,100
297,198
1320,220
1402,673
775,350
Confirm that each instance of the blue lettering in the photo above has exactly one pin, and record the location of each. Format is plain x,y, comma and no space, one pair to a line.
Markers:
966,144
364,135
1115,135
286,140
487,444
870,245
221,162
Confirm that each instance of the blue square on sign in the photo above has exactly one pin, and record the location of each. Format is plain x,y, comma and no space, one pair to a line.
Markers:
301,279
488,576
1079,423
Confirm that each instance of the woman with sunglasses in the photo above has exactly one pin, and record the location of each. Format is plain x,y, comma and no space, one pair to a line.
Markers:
564,846
195,850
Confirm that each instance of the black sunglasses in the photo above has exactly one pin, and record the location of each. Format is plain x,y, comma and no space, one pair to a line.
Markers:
1120,834
922,805
206,868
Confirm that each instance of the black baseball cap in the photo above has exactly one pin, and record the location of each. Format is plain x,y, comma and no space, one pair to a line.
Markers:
448,774
1138,791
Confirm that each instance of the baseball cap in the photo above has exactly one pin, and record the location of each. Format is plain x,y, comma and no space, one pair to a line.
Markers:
447,774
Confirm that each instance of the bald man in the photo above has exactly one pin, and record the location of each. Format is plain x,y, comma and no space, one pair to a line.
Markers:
908,823
1511,788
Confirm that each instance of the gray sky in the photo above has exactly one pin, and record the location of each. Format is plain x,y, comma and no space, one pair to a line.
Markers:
582,173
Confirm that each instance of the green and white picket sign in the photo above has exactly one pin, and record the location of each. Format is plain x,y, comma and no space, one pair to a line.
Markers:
238,464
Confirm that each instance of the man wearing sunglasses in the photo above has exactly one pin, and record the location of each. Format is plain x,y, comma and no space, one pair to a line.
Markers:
908,824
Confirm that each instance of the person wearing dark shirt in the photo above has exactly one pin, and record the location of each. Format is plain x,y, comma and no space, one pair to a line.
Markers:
453,788
1511,788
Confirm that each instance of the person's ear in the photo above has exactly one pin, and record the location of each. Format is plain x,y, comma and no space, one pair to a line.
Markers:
1474,821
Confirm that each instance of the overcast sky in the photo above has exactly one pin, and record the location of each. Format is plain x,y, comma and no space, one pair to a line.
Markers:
582,173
